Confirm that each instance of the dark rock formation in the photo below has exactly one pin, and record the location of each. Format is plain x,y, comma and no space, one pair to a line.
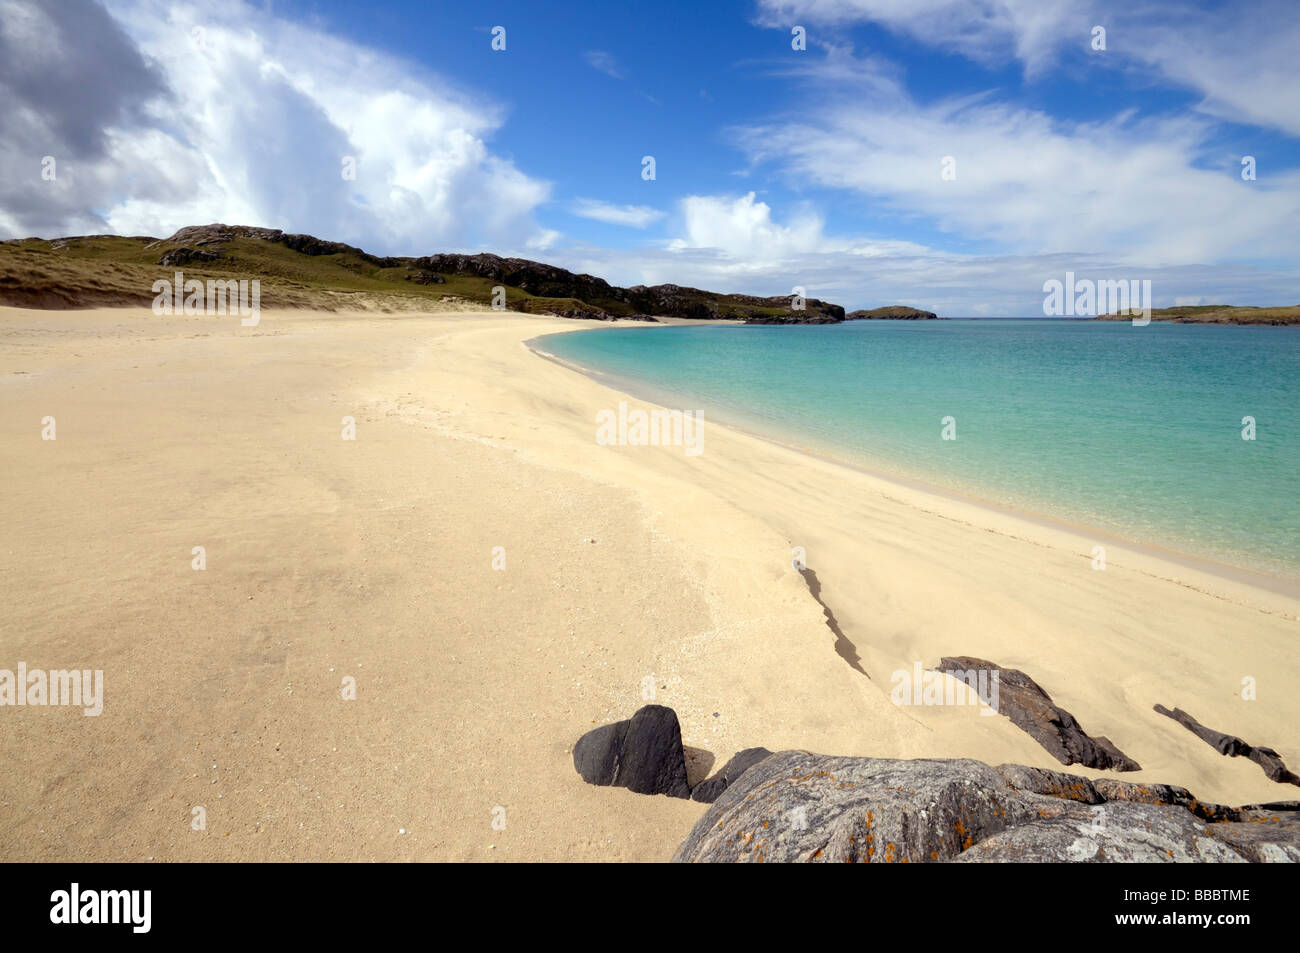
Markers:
797,806
567,308
184,255
708,790
1234,747
794,317
643,754
1029,707
544,281
897,312
426,278
674,301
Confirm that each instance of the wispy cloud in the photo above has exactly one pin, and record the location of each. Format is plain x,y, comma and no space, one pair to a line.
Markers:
1242,60
865,273
604,62
634,216
1023,180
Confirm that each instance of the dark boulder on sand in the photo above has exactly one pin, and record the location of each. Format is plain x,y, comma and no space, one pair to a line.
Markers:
643,754
1233,747
1030,708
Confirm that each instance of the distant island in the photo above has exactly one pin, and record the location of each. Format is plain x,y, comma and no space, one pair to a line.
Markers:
1215,314
896,312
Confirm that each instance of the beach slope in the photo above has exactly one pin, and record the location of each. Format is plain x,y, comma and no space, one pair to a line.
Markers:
491,582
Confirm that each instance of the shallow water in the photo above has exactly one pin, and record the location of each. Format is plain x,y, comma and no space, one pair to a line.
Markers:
1136,430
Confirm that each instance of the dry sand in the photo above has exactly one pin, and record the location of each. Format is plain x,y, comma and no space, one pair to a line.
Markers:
373,559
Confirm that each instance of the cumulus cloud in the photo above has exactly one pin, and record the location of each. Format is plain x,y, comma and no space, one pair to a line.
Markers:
65,83
220,112
742,228
633,216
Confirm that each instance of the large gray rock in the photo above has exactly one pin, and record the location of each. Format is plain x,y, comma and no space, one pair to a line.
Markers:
798,806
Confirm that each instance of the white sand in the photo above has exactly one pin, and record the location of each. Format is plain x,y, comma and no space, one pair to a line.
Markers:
373,559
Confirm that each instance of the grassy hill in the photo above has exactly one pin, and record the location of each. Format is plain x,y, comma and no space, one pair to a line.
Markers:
301,271
105,270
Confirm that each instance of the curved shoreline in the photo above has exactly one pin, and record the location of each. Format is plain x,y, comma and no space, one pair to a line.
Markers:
1212,568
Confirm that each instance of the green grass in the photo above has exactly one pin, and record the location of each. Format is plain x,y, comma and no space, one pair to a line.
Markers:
107,270
98,271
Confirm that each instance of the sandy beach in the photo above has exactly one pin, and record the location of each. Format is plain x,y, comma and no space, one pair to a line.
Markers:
377,559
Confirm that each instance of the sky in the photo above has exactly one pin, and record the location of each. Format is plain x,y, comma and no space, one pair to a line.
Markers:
947,154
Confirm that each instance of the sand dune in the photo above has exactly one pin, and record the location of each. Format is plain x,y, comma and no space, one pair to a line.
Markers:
373,559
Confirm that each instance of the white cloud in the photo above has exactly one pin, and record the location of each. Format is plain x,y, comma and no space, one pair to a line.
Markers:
604,62
988,31
634,216
951,285
738,244
257,117
1025,181
1241,59
741,228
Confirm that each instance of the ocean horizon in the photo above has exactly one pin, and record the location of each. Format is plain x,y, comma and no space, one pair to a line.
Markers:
1179,436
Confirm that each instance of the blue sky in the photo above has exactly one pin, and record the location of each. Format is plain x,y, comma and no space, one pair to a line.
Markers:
775,167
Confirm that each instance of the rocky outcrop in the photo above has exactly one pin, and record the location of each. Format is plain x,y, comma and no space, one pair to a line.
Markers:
185,255
1030,708
796,806
709,790
217,234
534,277
897,312
643,754
1234,747
606,301
569,308
677,301
425,277
793,317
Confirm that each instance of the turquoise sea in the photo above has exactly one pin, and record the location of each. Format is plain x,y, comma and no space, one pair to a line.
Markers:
1134,430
